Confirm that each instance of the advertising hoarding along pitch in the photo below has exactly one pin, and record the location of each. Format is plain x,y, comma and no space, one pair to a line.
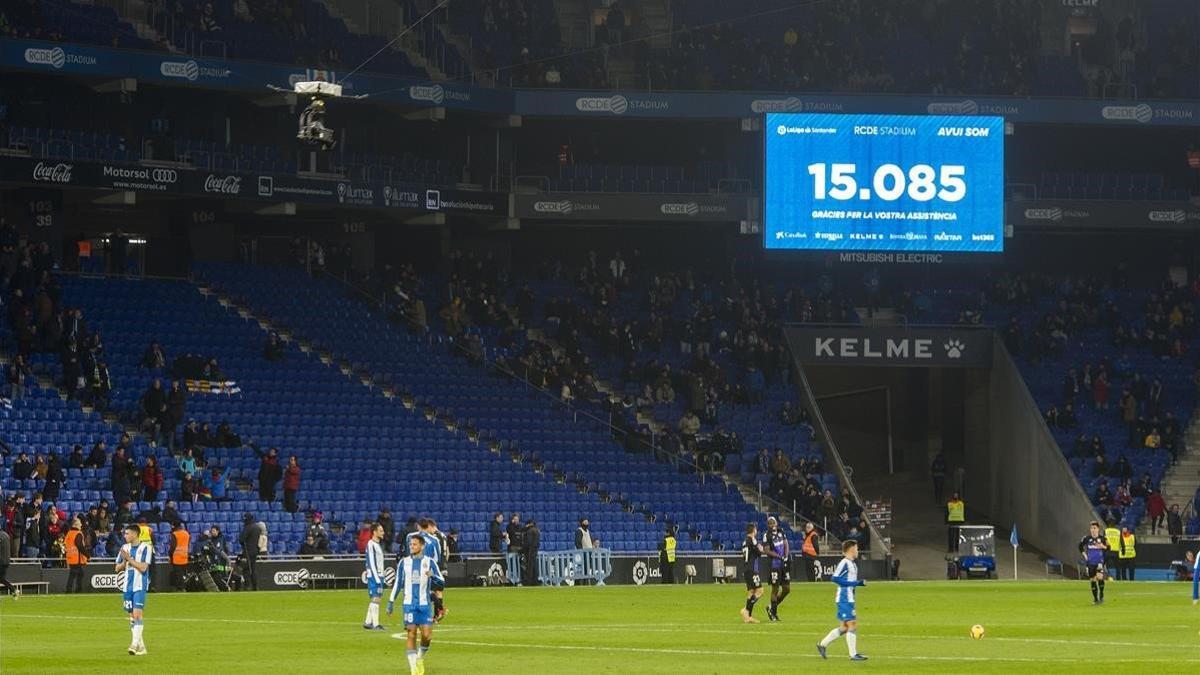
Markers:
883,182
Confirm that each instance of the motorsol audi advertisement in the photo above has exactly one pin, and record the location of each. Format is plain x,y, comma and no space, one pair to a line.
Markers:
61,173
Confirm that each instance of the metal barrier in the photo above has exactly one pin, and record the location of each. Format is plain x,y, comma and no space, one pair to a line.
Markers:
559,567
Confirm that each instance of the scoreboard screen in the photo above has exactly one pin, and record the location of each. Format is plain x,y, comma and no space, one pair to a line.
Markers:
883,183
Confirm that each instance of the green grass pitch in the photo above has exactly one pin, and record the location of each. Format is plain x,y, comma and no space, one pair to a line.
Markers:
1035,627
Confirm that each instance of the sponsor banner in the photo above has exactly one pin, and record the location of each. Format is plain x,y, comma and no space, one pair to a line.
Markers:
67,59
615,206
851,345
227,388
260,187
641,570
1112,215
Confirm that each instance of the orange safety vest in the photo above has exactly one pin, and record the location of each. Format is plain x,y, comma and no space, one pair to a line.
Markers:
182,541
71,543
809,548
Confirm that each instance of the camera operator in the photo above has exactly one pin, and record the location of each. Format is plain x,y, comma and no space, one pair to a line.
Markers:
214,550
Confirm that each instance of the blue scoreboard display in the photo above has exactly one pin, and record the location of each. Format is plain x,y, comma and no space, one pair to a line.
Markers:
883,183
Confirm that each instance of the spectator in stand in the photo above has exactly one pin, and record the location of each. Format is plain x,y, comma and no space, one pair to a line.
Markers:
154,409
496,533
1157,511
153,358
1153,440
273,351
1174,524
309,547
176,409
101,382
291,485
189,489
76,459
187,463
98,457
152,479
583,535
40,467
215,485
316,530
22,469
71,369
55,477
269,473
689,426
1100,391
515,534
1067,419
19,373
389,528
780,464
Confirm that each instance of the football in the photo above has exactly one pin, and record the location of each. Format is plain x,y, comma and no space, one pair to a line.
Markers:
977,632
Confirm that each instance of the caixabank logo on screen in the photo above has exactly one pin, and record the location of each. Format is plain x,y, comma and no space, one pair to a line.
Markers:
57,57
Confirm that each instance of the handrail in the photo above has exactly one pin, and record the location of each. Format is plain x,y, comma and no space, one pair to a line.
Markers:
843,473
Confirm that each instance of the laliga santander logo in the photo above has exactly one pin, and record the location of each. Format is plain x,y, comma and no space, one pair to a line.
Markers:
341,190
108,582
186,70
789,104
616,105
53,173
55,58
296,578
227,185
434,94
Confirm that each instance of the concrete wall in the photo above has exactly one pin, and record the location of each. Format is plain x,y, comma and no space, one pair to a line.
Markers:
1019,474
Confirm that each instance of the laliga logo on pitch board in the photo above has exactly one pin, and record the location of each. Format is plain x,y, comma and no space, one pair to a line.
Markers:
616,105
789,104
434,94
1142,112
186,70
109,582
55,58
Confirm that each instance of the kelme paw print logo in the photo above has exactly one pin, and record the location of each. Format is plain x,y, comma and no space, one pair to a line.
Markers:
954,349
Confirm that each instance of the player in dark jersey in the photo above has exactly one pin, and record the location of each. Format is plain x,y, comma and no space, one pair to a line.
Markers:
776,547
751,552
1093,547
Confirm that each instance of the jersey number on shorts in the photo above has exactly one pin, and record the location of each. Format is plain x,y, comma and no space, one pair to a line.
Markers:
128,605
757,580
408,618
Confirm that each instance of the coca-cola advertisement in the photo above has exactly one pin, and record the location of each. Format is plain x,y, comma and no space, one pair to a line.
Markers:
45,172
226,185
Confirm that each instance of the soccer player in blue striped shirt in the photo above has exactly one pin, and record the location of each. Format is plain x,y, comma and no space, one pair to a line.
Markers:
375,582
134,560
434,549
416,573
846,577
